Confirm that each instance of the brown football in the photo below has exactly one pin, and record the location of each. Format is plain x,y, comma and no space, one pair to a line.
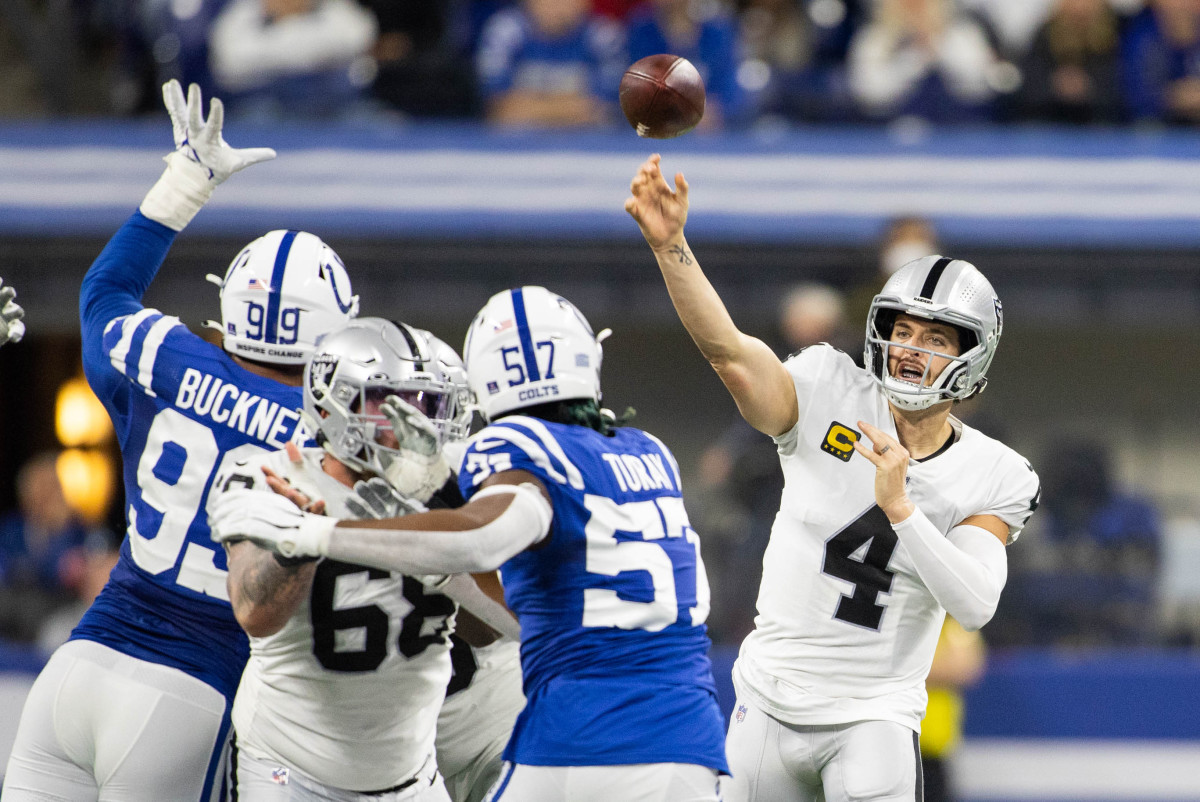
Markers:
662,96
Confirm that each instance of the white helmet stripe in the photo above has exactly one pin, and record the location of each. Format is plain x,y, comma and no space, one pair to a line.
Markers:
531,367
276,289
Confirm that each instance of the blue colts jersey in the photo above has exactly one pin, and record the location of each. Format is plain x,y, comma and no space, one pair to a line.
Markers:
182,409
612,605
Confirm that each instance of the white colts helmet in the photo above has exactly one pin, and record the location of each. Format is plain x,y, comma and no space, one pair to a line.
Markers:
529,346
281,293
947,291
353,370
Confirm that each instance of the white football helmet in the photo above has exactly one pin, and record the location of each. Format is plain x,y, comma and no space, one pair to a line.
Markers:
281,293
456,373
529,346
949,291
352,371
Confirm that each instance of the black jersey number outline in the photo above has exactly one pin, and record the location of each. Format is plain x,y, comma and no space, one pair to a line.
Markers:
870,575
462,662
372,619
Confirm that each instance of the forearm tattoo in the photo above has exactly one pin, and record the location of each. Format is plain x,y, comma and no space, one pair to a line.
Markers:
265,581
685,256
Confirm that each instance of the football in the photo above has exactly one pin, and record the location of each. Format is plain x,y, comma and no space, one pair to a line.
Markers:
662,96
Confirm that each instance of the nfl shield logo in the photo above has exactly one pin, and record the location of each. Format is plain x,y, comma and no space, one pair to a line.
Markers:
741,714
279,776
493,388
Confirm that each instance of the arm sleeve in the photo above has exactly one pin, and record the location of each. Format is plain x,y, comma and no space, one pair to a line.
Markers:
116,281
525,521
964,570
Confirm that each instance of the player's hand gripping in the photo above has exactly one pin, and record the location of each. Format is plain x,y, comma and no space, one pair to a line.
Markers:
374,498
270,521
283,486
202,158
660,212
891,471
12,328
421,469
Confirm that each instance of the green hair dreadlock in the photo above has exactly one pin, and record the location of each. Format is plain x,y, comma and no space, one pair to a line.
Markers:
580,412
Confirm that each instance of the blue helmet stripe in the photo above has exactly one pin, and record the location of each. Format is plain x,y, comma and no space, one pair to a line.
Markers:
518,302
273,297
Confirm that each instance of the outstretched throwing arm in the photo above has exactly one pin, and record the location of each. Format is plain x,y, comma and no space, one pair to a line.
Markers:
750,370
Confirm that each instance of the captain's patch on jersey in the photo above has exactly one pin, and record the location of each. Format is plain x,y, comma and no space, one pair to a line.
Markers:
839,441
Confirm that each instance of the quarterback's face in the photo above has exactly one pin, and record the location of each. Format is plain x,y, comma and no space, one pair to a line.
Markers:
907,363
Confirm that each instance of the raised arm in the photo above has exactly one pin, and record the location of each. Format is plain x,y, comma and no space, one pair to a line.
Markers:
753,374
117,280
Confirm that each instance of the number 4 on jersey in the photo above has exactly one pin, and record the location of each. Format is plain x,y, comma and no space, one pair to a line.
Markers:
868,572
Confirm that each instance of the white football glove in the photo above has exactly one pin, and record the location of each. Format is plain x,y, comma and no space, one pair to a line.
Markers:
201,159
374,499
421,469
271,522
12,328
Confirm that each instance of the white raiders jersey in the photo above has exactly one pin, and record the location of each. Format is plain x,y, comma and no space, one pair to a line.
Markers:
482,703
846,629
348,691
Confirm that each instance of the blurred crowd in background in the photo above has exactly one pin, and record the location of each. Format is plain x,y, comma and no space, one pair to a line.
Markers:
558,62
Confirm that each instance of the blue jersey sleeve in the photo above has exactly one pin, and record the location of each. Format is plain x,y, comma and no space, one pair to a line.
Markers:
113,288
518,443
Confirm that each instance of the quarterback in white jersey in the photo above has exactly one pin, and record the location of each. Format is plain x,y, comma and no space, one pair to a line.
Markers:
893,514
348,664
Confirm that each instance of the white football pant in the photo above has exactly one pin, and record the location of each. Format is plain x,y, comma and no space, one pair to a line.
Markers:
263,780
101,726
646,782
865,761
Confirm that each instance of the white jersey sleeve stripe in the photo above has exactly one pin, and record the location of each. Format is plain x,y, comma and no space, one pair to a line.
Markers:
154,338
526,444
666,452
129,325
549,444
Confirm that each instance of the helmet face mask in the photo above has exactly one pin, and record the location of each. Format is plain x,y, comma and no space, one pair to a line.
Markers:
280,294
353,372
529,346
948,291
459,428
